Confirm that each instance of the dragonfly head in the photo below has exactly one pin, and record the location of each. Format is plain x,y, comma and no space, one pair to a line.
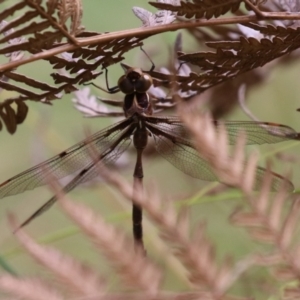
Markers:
134,80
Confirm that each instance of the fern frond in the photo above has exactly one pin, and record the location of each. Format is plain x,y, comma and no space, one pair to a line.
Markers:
159,18
201,8
11,117
233,58
268,223
64,267
28,288
116,247
54,16
71,9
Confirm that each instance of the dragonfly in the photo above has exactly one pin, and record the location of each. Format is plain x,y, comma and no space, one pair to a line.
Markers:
171,140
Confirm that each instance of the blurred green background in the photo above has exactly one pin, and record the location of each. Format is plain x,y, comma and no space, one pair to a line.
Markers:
51,129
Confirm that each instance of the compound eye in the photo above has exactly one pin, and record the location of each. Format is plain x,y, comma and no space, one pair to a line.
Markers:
143,83
125,85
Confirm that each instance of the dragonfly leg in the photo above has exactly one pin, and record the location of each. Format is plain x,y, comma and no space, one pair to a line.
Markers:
152,63
109,90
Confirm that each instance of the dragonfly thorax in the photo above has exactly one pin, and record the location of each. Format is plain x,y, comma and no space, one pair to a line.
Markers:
134,84
137,103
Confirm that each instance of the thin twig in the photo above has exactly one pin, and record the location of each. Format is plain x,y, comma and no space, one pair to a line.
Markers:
137,32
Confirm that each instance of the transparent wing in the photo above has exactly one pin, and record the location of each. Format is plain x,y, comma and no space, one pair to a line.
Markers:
69,161
180,152
183,157
91,171
257,132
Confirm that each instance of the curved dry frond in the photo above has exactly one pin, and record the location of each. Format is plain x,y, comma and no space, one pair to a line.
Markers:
40,29
71,9
82,62
222,98
88,105
53,15
233,58
85,61
268,222
67,269
116,247
196,253
212,279
12,117
159,18
44,26
28,288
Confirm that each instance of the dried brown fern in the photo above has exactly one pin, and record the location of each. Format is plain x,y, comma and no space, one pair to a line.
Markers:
210,279
42,33
222,98
137,271
201,9
266,221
